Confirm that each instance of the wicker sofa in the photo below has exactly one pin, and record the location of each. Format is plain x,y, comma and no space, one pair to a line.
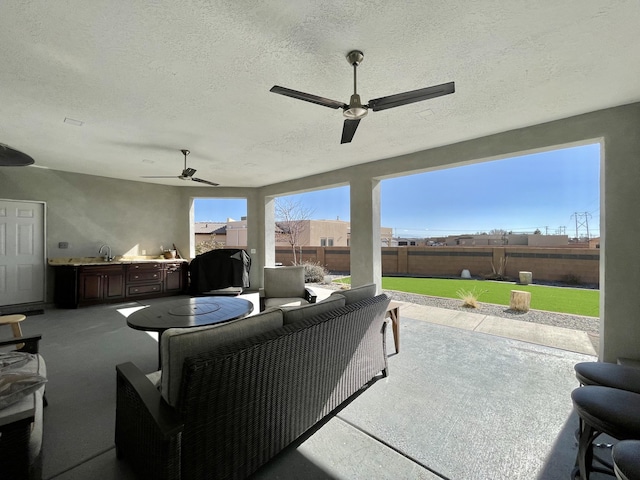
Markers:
231,397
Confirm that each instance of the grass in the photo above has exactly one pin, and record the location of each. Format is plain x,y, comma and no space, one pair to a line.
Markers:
575,301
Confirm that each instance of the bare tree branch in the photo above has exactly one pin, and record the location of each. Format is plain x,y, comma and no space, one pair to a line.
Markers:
291,217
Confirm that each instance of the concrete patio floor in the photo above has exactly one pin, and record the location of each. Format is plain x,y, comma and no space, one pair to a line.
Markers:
468,397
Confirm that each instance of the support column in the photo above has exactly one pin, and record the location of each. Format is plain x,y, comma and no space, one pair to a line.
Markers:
366,258
261,235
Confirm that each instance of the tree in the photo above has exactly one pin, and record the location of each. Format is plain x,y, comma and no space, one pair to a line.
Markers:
537,231
497,231
291,219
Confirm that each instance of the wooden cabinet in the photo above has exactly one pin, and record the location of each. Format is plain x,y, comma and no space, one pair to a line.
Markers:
99,284
93,284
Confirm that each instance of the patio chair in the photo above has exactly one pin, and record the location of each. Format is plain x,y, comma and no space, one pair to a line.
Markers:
285,287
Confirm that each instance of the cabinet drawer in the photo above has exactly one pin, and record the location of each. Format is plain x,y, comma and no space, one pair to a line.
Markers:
101,270
143,276
133,290
143,266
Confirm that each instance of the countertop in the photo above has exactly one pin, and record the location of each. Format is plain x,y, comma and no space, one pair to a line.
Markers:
119,260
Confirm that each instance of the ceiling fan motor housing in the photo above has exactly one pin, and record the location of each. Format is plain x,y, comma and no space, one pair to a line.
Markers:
355,110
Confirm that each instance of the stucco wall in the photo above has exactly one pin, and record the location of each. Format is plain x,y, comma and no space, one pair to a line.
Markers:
88,211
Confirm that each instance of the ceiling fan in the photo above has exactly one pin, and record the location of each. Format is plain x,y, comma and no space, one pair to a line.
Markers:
355,111
187,173
10,157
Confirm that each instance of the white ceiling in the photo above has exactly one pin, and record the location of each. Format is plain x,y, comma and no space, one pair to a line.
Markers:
150,78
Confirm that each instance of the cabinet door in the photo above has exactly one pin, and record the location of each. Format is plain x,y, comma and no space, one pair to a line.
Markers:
114,285
90,286
173,278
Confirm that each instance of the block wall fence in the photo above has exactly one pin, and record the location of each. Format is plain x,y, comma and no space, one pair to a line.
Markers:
546,264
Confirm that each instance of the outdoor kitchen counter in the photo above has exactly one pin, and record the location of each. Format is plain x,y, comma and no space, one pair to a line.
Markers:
122,260
83,281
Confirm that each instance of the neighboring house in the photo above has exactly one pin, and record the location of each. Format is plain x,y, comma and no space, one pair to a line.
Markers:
313,233
533,240
203,231
408,242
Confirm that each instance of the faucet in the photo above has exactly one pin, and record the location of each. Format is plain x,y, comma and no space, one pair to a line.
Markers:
107,256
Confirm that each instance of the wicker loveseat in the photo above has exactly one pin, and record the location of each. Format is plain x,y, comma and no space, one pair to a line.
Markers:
233,396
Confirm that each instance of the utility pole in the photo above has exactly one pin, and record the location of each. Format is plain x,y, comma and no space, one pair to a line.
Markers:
561,230
582,220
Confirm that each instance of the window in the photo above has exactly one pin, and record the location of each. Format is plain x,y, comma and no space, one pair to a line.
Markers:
323,242
330,242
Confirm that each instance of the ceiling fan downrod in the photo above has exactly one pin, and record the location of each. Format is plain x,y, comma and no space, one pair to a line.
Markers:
356,110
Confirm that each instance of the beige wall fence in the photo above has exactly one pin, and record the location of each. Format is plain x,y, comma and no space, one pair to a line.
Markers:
572,265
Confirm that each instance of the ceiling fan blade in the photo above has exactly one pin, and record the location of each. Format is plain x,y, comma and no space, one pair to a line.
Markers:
188,172
161,176
10,157
411,97
349,130
307,97
205,181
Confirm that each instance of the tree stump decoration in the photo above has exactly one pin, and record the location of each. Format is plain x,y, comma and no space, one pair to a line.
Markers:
520,300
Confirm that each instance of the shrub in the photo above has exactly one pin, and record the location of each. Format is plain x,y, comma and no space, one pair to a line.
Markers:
469,297
208,245
572,279
314,272
499,273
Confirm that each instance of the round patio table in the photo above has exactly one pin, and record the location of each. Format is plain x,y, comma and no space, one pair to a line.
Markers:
187,313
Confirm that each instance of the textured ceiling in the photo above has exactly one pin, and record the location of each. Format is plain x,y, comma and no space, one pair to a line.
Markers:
150,78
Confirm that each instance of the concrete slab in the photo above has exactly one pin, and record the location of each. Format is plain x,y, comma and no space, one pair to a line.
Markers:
551,336
557,337
340,451
442,316
474,406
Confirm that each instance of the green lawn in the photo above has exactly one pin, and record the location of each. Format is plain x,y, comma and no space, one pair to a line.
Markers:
576,301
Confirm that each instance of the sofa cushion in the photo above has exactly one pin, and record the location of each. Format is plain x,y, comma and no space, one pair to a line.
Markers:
284,282
177,344
284,302
294,314
356,294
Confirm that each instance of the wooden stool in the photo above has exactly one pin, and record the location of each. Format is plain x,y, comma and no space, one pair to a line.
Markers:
393,312
14,321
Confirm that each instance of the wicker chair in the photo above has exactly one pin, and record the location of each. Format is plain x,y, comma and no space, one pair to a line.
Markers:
285,287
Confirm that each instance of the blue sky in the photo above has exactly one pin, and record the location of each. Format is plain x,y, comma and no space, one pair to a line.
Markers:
538,191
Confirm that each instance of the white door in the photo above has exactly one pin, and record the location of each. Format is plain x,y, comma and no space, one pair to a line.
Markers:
22,266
